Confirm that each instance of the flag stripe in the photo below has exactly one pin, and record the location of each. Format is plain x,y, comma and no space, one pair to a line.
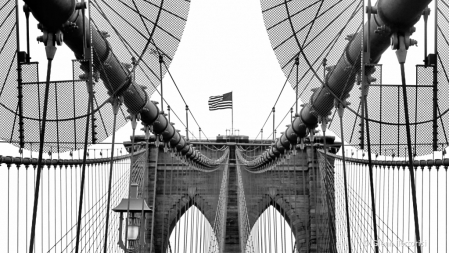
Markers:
221,106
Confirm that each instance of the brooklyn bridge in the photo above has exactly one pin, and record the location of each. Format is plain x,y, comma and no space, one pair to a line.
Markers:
97,153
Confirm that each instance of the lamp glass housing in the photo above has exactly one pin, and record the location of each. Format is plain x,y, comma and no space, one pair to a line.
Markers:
133,228
133,232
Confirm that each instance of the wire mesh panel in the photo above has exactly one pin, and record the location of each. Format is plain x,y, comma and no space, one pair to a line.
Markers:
318,29
103,116
146,30
386,112
66,115
386,116
30,72
442,62
311,36
134,45
8,71
352,122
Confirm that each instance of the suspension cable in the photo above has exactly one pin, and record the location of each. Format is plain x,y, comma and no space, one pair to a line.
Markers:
83,171
371,182
279,124
280,93
340,115
116,106
41,151
173,80
410,156
133,126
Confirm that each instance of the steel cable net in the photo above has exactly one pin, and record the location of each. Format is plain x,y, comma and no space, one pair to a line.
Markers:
386,106
318,27
8,72
127,34
443,72
324,29
129,30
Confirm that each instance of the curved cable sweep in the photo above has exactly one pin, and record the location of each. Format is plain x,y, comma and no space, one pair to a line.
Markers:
54,15
340,81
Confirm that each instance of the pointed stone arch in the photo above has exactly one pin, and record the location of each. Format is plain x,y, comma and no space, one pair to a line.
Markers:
295,218
178,208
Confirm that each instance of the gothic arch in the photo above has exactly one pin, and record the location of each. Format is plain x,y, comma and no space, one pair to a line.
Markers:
181,205
298,223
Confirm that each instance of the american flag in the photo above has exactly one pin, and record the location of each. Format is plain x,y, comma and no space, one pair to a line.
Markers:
220,102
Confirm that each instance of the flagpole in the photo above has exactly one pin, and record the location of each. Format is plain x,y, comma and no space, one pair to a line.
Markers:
232,118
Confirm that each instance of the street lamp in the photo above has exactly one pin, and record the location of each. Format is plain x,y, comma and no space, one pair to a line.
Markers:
134,206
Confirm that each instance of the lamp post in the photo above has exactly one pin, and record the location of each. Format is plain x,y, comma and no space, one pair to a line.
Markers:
135,229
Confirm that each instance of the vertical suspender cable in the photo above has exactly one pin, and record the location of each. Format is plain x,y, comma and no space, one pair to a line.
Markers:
20,107
191,214
348,227
303,176
187,122
203,230
365,111
19,83
54,184
39,161
27,15
178,208
115,106
168,108
291,115
7,237
297,83
164,196
154,193
274,128
133,126
26,205
89,110
284,233
145,176
410,160
197,216
329,231
185,215
161,60
172,166
294,193
435,82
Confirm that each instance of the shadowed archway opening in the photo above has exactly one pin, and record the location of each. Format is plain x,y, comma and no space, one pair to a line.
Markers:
271,233
192,233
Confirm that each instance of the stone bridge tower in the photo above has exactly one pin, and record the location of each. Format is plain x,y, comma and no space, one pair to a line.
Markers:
293,188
